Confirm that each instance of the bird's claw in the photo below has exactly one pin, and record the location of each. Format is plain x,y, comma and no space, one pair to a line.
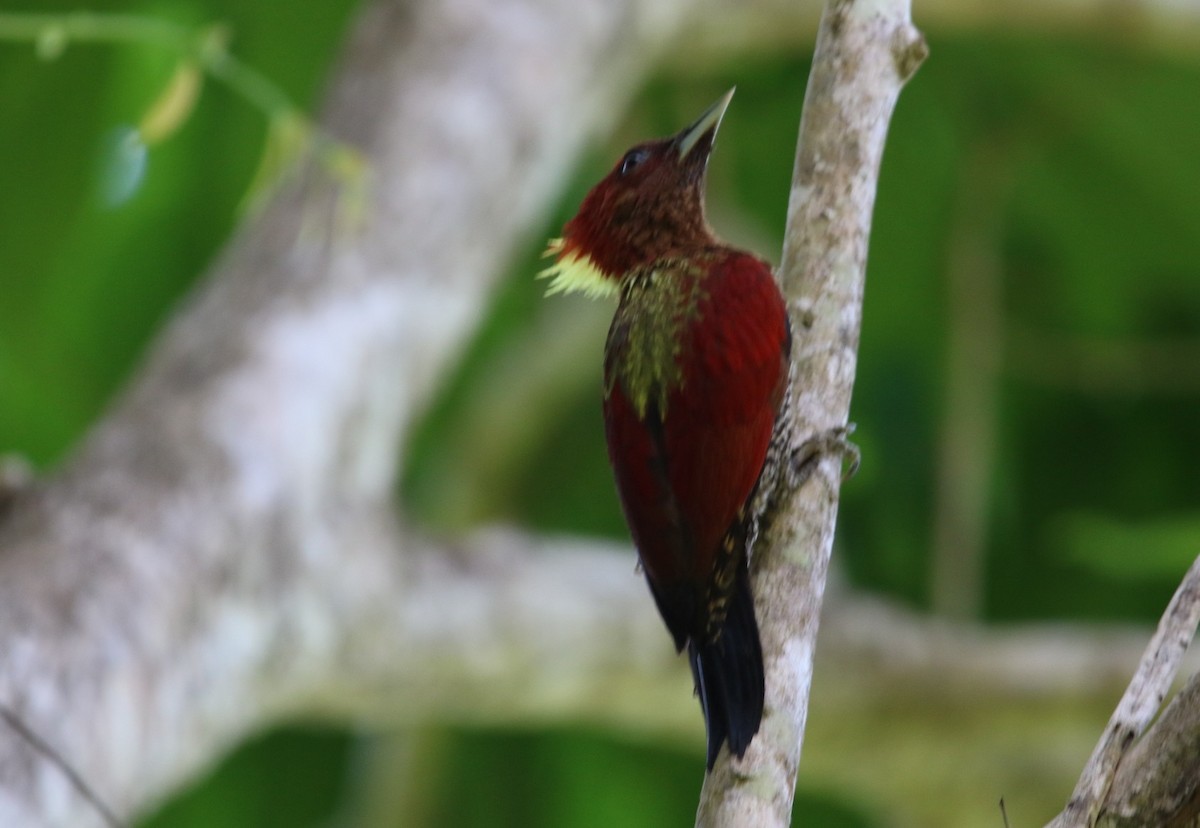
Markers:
835,441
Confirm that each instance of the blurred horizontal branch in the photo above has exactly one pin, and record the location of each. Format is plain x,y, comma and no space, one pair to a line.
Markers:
726,27
1105,366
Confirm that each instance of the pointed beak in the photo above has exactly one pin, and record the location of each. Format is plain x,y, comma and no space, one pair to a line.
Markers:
702,133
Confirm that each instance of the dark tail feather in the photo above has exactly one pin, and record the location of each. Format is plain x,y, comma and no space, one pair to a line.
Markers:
729,676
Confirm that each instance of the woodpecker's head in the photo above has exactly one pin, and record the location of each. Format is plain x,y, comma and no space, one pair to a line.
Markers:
650,205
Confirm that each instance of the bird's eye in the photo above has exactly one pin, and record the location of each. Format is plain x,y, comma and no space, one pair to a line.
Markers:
632,160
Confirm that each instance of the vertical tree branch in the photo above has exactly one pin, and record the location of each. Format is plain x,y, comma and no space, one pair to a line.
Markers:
974,349
865,52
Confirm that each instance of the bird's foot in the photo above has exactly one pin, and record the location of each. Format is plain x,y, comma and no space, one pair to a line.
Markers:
835,441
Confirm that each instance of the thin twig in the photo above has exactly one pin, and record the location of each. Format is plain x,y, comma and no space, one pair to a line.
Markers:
206,49
55,758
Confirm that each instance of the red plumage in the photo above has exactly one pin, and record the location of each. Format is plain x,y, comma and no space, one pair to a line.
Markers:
695,368
717,424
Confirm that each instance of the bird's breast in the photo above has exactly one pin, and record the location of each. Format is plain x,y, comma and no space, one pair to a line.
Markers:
649,336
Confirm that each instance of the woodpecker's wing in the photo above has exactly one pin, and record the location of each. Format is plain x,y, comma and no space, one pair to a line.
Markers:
687,440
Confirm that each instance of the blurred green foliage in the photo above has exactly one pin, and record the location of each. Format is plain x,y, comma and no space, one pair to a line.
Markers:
1092,495
287,779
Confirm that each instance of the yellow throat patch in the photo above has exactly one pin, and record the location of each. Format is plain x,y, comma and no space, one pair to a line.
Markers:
575,272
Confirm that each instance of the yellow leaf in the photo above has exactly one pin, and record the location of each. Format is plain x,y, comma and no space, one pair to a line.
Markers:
173,105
